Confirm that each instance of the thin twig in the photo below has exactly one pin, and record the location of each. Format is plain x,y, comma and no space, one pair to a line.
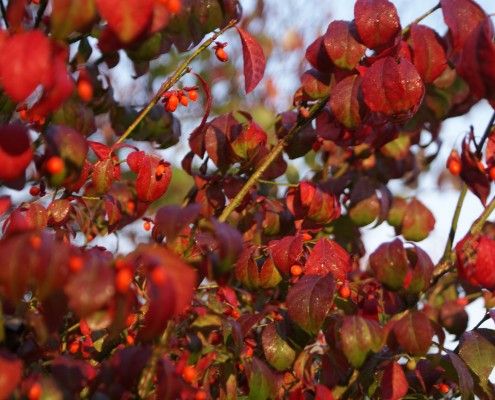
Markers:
406,30
40,13
4,14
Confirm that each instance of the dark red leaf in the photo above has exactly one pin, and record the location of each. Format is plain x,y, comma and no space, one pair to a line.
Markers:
390,265
475,177
10,373
414,333
342,44
72,374
323,393
346,101
286,252
461,16
377,22
310,300
249,141
254,60
171,220
393,88
466,382
477,60
318,57
197,137
150,186
328,256
71,16
18,74
15,151
126,18
428,54
316,84
394,384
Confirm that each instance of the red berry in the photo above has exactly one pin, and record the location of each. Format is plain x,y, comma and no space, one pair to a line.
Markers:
444,388
55,165
296,270
85,90
74,347
189,373
123,279
491,172
193,95
160,169
200,395
35,391
174,6
34,191
306,237
173,101
345,292
454,163
158,276
130,340
76,263
222,55
184,101
147,225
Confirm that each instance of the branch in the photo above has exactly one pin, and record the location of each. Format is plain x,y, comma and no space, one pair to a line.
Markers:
4,14
276,151
406,30
40,13
170,82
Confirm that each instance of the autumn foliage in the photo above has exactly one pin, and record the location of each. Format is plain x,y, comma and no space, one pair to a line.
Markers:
249,286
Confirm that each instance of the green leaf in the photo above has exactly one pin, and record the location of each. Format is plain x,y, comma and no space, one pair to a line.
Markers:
277,351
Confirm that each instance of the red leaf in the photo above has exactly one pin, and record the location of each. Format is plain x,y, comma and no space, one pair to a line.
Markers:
342,46
19,75
376,21
10,373
393,88
103,151
135,160
346,101
126,18
171,220
414,333
150,186
461,16
389,263
59,211
316,84
475,178
394,383
428,53
71,16
15,151
477,61
254,60
328,256
417,222
323,393
197,137
360,337
310,300
103,175
249,141
286,252
318,57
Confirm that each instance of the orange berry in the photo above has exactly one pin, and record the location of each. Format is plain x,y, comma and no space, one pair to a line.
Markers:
173,101
454,163
193,95
85,90
221,55
184,101
34,191
36,1
147,225
23,114
123,279
129,339
55,165
35,242
345,292
158,276
248,351
444,388
296,270
235,314
174,6
306,237
74,347
160,169
35,391
189,373
491,172
76,263
200,395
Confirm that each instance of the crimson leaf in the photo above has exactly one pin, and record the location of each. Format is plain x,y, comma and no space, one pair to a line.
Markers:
254,60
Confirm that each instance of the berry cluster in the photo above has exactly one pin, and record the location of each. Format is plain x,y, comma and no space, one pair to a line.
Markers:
173,98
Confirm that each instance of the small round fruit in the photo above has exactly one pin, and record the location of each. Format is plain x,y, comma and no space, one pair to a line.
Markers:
147,225
454,163
123,280
85,90
221,55
35,391
184,101
173,101
193,95
34,191
296,270
55,165
411,364
189,373
345,292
